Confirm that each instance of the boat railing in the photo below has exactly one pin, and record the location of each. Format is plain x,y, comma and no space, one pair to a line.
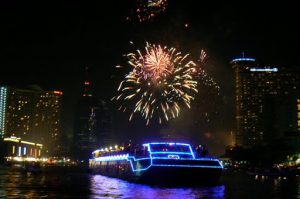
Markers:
160,150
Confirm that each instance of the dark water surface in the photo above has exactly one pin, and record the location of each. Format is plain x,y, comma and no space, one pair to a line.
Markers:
15,184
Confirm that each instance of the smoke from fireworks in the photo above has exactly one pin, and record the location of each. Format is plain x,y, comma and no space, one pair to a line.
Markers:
144,10
160,83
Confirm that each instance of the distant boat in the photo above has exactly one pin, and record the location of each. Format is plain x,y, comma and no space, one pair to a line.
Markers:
159,163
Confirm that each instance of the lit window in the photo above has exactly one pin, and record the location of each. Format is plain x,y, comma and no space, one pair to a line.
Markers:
20,151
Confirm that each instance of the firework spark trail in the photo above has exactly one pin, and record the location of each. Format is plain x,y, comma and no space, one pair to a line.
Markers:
201,74
160,82
202,56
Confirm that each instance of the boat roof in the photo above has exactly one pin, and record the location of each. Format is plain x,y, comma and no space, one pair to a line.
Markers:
164,143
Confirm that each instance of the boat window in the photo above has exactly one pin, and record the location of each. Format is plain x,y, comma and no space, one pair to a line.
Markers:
170,148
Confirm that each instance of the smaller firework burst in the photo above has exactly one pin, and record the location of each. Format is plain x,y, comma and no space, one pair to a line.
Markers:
147,9
157,62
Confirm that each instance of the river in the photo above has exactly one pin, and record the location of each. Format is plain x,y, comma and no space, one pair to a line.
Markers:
235,184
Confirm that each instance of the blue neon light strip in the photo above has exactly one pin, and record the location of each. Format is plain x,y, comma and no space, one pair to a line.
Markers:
243,59
132,159
166,158
139,159
184,165
126,156
135,160
264,69
112,158
117,158
191,151
166,143
170,152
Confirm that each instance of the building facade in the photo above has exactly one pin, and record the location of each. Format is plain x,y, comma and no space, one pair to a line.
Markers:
31,114
15,149
266,102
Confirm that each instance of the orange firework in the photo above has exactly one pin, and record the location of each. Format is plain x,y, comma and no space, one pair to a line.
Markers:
160,82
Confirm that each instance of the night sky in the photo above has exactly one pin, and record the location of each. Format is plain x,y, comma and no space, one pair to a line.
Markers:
50,44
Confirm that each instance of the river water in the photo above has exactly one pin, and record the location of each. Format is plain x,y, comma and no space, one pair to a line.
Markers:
15,184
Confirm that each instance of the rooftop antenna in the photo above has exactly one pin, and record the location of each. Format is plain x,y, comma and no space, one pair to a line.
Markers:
87,84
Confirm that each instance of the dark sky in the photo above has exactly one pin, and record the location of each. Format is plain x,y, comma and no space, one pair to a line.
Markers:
50,43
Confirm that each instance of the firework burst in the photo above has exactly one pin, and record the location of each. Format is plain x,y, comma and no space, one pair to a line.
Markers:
160,82
147,9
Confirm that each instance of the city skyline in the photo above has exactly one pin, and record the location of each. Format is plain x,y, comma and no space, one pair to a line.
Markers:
53,49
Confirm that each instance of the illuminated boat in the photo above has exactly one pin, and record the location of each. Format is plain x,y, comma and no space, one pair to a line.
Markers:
157,162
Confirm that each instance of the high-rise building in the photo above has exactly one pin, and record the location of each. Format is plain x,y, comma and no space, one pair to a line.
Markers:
3,103
92,123
266,102
31,114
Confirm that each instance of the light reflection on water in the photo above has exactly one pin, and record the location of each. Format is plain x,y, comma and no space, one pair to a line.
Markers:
15,184
115,188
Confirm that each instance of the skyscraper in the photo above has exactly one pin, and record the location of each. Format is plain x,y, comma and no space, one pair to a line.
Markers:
92,127
3,107
32,114
266,101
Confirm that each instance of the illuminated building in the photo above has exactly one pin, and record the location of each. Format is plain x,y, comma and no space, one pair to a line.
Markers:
31,114
3,103
265,102
92,123
16,149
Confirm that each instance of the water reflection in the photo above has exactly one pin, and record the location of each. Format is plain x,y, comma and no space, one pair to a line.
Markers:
102,186
15,184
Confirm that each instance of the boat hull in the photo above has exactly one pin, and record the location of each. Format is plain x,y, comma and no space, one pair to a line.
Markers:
181,175
164,175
